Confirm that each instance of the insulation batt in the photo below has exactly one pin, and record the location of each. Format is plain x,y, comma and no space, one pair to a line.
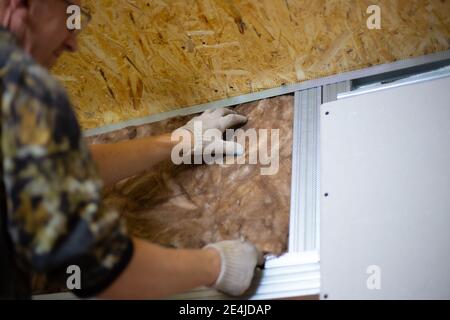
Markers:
189,206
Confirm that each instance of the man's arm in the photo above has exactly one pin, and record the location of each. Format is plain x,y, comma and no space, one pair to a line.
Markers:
124,159
157,272
55,216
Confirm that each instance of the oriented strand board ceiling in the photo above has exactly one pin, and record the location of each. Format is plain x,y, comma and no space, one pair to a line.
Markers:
141,57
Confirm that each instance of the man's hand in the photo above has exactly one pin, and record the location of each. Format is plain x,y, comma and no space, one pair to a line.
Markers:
220,119
127,158
238,262
209,127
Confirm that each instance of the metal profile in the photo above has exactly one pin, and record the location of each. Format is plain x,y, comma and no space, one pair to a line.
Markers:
292,275
429,76
332,92
305,169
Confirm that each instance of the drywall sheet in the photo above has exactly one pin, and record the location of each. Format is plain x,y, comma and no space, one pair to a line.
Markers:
385,169
189,206
141,57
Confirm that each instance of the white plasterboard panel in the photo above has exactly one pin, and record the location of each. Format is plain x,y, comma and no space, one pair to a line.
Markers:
386,168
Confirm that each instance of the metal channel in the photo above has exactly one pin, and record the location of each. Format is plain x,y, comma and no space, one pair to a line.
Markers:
305,171
331,92
429,76
304,227
292,275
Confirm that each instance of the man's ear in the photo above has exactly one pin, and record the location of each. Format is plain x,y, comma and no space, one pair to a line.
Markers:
19,3
15,4
17,11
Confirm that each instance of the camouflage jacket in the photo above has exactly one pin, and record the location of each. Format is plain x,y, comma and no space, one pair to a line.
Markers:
52,215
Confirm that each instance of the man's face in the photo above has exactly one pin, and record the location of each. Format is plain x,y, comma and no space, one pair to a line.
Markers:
43,32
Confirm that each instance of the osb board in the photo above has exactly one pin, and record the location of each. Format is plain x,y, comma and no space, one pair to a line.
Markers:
141,57
189,206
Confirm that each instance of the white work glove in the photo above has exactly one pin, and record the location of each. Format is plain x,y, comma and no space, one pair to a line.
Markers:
238,262
214,123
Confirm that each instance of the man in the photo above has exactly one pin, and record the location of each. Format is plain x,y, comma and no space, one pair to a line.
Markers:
52,215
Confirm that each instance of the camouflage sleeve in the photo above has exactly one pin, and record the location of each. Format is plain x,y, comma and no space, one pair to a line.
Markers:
55,214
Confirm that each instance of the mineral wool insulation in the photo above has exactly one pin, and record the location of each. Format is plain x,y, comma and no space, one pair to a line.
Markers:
189,206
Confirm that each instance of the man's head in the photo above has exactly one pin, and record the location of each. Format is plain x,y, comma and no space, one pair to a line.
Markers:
40,26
